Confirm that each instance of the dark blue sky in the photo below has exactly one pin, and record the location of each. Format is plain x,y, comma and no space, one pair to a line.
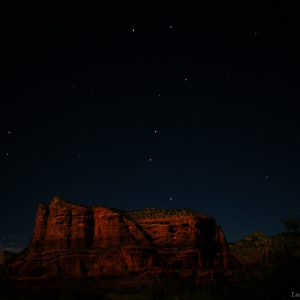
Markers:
129,111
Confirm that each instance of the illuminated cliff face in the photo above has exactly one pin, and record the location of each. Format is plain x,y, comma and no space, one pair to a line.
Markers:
75,241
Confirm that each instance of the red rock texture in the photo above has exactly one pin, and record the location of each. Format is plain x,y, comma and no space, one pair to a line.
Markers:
74,241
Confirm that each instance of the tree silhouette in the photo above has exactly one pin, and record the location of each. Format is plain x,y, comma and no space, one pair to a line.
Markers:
292,224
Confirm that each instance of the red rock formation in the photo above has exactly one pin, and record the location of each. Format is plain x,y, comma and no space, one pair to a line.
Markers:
74,241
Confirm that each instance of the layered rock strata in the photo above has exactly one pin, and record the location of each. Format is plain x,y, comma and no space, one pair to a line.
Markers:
79,242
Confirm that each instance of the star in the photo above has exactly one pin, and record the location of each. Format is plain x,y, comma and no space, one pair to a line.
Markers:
150,159
171,198
156,131
171,26
185,79
8,132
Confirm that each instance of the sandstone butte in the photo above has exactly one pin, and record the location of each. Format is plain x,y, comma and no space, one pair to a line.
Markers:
112,247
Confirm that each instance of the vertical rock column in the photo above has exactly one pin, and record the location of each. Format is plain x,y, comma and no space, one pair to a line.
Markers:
38,236
82,227
58,232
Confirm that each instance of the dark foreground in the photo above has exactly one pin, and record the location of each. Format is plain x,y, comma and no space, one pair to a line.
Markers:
279,284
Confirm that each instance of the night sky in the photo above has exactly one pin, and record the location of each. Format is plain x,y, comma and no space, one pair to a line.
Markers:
185,109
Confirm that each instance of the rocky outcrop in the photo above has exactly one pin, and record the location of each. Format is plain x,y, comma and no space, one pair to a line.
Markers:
74,241
258,253
5,255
